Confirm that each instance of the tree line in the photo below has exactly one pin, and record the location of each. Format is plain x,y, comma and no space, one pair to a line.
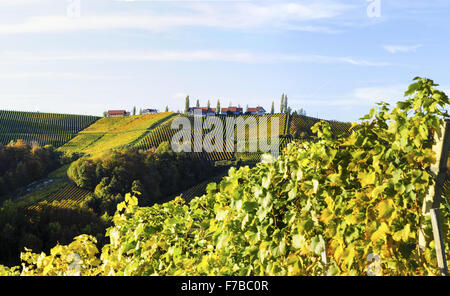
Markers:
155,173
21,164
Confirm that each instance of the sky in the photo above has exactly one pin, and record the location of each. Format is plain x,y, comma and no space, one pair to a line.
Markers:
334,59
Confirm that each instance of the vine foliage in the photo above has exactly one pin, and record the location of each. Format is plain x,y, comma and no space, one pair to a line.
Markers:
324,207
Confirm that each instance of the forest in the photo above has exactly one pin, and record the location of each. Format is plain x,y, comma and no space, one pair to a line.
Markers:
22,163
152,175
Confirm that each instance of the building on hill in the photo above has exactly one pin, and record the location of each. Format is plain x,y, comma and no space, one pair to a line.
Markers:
232,111
118,113
149,111
257,111
204,111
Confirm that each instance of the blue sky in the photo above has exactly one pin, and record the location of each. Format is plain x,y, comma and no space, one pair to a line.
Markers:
334,59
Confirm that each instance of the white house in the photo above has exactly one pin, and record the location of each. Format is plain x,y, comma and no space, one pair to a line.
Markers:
257,111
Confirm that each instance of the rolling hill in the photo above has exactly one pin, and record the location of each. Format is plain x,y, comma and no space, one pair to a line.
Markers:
43,128
108,133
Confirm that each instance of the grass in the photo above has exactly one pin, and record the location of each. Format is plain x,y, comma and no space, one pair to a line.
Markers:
109,133
60,173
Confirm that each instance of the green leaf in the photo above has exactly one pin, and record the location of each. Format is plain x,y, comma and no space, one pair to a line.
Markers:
249,206
412,88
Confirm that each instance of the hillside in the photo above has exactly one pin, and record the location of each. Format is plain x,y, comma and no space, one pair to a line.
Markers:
164,133
300,126
324,207
108,133
44,128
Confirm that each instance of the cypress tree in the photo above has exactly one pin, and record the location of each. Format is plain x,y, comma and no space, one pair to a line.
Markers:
286,110
282,104
198,104
186,106
272,109
218,107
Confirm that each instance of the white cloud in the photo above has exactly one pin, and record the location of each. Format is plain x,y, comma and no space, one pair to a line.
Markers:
371,95
401,48
235,15
358,97
58,75
185,56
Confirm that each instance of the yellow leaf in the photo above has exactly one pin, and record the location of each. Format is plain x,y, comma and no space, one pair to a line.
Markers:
326,216
386,209
366,178
352,219
380,233
402,234
298,241
338,253
348,256
377,190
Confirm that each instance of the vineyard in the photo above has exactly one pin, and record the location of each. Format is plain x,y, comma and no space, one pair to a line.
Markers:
43,128
91,135
197,190
115,132
324,207
67,197
164,133
300,126
290,127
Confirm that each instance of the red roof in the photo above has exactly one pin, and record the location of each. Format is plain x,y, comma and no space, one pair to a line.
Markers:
117,112
231,109
204,109
254,109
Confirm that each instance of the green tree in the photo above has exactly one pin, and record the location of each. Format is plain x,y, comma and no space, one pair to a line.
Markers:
134,110
218,107
272,109
286,109
105,114
282,104
198,104
208,105
167,109
186,105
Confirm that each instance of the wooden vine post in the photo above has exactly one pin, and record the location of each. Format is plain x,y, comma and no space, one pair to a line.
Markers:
433,199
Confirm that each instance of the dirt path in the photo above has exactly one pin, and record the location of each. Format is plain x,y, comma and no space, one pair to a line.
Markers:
36,185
